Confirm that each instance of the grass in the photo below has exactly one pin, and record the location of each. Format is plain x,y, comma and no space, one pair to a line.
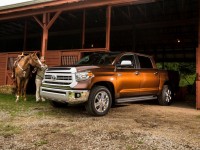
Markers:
8,130
41,142
29,107
8,104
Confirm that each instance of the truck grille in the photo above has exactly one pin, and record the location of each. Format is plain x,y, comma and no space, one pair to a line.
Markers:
59,77
62,78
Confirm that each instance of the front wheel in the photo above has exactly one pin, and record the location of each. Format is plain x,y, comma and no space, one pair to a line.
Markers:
99,101
166,96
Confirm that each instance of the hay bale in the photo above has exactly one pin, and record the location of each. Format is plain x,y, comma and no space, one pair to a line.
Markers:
7,89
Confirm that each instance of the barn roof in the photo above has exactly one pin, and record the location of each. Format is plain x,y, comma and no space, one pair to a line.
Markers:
22,4
44,6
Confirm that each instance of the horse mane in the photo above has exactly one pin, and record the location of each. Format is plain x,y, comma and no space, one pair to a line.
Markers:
25,59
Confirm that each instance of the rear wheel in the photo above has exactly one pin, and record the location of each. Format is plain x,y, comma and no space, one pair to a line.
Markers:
166,96
99,101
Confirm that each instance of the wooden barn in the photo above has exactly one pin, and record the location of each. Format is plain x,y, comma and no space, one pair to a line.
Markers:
63,31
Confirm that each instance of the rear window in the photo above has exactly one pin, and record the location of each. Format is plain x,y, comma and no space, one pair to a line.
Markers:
145,62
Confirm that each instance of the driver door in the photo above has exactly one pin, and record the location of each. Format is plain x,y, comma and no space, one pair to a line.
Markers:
128,79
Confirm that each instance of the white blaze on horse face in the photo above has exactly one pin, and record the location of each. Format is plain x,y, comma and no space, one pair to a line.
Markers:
40,62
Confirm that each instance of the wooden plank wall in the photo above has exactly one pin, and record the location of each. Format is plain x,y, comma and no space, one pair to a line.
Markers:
11,57
53,58
69,58
57,58
3,66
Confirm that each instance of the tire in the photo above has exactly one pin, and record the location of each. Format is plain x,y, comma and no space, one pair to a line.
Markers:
99,102
166,97
58,104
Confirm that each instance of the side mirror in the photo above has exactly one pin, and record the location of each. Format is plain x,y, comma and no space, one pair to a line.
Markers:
125,63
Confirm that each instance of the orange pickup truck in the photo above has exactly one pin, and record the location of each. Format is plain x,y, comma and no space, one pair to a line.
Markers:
103,79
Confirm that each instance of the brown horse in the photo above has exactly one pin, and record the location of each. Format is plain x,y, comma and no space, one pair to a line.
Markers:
23,72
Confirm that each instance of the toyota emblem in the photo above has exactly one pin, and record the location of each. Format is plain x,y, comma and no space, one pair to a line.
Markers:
53,77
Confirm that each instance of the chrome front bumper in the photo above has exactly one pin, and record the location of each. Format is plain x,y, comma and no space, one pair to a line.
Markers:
66,96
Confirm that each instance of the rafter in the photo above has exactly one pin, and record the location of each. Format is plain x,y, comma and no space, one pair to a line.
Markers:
29,11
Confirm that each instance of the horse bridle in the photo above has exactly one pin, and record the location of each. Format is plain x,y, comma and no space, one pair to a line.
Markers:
37,60
24,70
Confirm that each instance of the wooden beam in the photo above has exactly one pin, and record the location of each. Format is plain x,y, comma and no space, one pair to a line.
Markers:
108,24
46,25
198,67
50,23
38,21
83,30
44,34
25,35
36,10
199,29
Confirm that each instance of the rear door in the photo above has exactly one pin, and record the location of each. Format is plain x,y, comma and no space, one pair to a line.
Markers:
128,79
149,76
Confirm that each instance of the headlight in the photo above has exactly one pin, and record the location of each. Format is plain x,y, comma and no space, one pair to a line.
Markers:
81,76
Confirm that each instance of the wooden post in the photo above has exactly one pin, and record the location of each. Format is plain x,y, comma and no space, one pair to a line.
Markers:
108,24
83,30
46,24
25,35
198,67
44,35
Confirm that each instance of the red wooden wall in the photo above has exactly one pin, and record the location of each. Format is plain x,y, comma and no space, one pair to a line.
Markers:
3,68
53,58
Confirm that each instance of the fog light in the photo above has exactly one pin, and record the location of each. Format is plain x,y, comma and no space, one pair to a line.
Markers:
77,95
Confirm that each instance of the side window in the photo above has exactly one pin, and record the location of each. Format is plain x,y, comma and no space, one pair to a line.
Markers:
127,61
145,62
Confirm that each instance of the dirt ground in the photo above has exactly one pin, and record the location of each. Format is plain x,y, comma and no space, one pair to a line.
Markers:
143,125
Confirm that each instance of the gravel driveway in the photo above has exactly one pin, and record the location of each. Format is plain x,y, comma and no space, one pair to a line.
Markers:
143,125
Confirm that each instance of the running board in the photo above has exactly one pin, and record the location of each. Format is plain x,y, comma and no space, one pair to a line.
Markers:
136,99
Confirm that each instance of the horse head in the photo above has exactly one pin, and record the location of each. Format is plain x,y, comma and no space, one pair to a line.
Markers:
34,60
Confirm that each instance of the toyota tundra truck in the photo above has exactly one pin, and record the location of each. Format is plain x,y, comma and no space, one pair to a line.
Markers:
103,79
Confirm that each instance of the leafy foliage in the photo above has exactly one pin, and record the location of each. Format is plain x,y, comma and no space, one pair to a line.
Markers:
187,68
187,71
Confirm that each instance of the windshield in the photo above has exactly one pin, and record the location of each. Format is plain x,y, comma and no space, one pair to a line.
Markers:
98,59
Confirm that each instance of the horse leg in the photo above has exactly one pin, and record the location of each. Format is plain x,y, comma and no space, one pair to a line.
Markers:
18,89
24,89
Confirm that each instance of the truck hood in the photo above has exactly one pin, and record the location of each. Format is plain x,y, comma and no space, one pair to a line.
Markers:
84,68
95,68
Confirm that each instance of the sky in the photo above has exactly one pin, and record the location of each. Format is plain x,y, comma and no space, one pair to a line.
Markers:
10,2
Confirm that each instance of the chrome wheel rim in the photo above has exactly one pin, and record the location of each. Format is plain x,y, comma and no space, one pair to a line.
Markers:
168,95
101,101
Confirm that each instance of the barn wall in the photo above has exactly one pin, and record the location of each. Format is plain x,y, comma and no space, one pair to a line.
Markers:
57,58
53,58
3,66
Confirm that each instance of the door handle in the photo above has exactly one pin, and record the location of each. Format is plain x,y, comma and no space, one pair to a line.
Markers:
137,73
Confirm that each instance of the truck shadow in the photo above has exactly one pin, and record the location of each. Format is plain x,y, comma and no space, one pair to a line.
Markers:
186,103
80,111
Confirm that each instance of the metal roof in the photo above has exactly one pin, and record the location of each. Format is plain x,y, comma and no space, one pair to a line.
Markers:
60,5
32,2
